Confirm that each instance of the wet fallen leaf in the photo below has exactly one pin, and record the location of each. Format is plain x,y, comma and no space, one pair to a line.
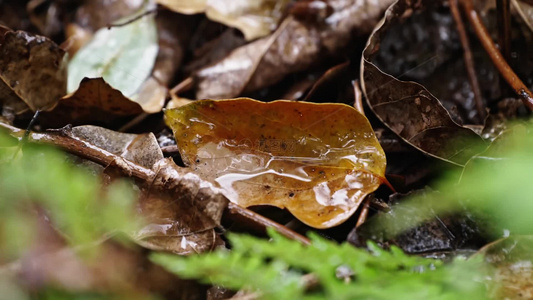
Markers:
254,18
124,56
409,109
294,46
317,160
32,67
180,219
95,101
436,236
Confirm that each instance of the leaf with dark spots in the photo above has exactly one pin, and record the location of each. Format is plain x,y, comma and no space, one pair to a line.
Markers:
409,109
294,46
317,160
95,101
32,67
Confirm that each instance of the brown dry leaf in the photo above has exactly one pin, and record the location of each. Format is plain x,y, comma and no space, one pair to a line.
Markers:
254,18
409,109
180,219
172,37
95,101
33,68
293,47
141,149
317,160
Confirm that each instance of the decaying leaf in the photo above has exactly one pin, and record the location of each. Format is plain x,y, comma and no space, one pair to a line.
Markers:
254,18
513,271
180,219
409,109
32,67
293,47
317,160
95,101
141,149
124,56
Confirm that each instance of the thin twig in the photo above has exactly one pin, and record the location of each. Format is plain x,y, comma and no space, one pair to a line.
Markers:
358,97
510,76
469,59
364,212
242,214
503,10
144,14
27,132
63,140
184,86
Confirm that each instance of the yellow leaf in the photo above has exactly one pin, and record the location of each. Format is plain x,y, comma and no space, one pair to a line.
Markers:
317,160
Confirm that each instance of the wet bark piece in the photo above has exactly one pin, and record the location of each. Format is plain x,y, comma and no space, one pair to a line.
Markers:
33,68
318,160
409,109
293,47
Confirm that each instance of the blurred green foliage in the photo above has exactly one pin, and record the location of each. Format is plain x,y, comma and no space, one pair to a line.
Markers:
39,182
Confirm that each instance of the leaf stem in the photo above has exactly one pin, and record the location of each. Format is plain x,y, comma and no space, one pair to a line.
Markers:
510,76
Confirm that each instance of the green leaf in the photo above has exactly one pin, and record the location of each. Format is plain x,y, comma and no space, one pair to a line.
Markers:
124,56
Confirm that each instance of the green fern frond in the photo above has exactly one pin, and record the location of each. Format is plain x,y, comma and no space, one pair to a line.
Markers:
276,269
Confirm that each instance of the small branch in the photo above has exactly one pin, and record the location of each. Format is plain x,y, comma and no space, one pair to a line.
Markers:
510,76
469,59
241,214
144,14
63,140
